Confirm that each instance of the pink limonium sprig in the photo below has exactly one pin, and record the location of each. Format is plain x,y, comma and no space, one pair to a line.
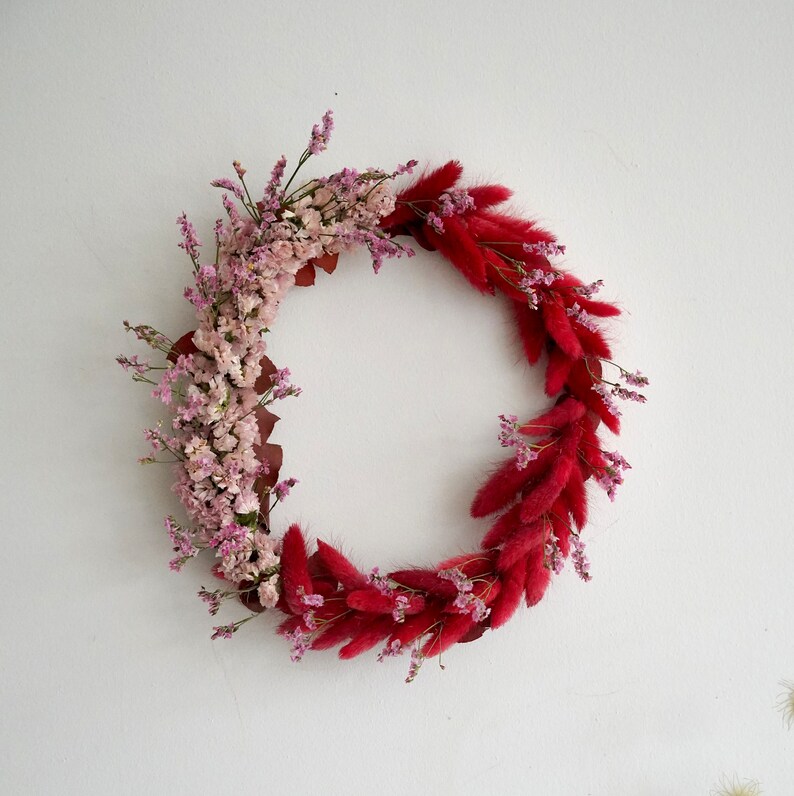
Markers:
602,387
282,387
581,563
466,601
510,437
226,631
611,476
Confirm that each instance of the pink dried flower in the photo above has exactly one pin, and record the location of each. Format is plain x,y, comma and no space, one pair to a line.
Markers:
321,135
212,599
635,379
588,291
417,659
400,604
380,582
606,396
582,317
300,644
628,395
544,249
282,489
580,561
455,202
312,600
391,650
554,559
224,631
134,363
510,437
467,603
190,242
458,578
238,168
224,182
435,222
408,168
281,384
229,539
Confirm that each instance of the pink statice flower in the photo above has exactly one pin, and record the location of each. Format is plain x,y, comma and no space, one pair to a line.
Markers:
457,577
300,644
133,363
312,600
417,658
510,437
224,631
588,291
225,182
468,603
581,317
635,379
544,249
611,477
455,202
282,489
229,538
407,168
282,386
554,559
435,222
604,391
380,582
581,564
212,599
190,242
628,395
391,650
400,604
321,134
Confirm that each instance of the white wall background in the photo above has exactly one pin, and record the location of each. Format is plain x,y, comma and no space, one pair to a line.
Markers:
655,138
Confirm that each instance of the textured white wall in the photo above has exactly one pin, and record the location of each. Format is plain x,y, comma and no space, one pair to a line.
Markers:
655,139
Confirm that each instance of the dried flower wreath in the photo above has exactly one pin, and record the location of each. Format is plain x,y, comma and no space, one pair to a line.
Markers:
221,384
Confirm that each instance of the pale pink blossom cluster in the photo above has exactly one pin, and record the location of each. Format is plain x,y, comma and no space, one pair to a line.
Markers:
216,391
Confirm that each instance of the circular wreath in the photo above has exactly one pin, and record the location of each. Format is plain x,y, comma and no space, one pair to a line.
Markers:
221,384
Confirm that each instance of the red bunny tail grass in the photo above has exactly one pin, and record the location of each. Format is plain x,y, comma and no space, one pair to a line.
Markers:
600,309
558,325
557,371
335,633
593,343
485,196
339,567
294,569
538,577
509,598
454,628
519,544
367,637
425,580
458,247
541,498
502,528
531,330
576,497
505,483
566,412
